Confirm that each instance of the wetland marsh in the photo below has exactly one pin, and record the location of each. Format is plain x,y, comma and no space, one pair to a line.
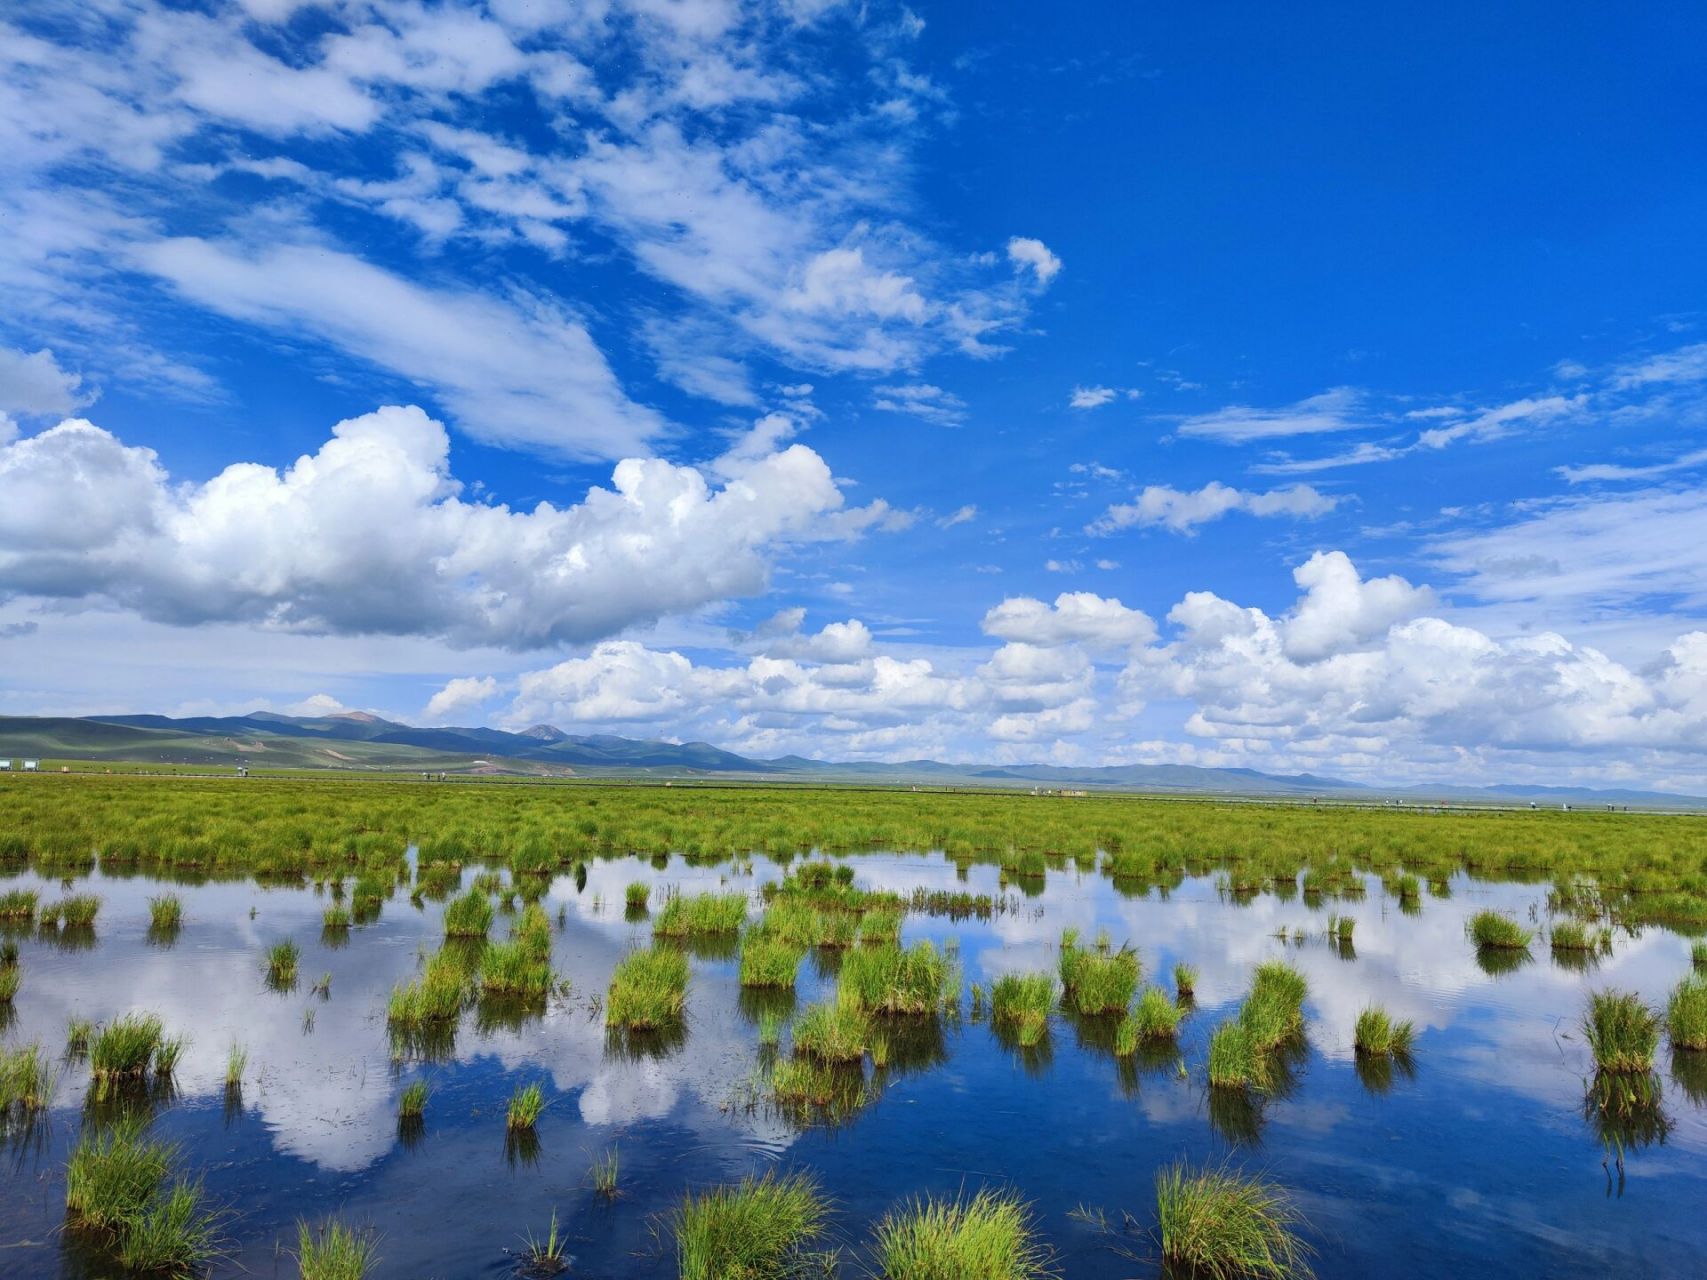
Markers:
494,1030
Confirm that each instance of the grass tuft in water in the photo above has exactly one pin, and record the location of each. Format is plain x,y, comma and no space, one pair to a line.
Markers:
759,1229
637,895
165,913
549,1256
77,1035
526,1103
1222,1225
604,1171
170,1235
1698,956
769,962
1686,1014
1378,1035
1234,1060
1098,981
75,912
705,915
1622,1032
236,1063
1156,1019
832,1031
883,979
11,978
648,989
335,918
990,1235
124,1049
469,916
1185,980
27,1078
282,958
1491,930
334,1251
19,905
412,1102
1022,1002
112,1174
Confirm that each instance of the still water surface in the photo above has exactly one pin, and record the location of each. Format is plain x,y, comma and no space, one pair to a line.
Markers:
1479,1162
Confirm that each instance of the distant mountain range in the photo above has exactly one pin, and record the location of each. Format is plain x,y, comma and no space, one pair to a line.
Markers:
357,740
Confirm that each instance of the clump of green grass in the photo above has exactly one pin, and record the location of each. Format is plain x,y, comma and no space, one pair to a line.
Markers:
335,918
1224,1225
1340,928
637,895
469,916
648,989
165,913
886,979
771,1022
880,927
1273,1012
1098,981
112,1174
604,1171
1686,1014
282,958
77,911
990,1235
516,968
77,1034
1185,980
705,915
1493,931
1234,1059
170,1235
832,1031
19,905
546,1257
236,1063
26,1079
334,1251
1022,1002
1698,956
525,1105
1378,1035
125,1048
11,978
757,1230
1156,1018
412,1102
1622,1032
769,962
437,996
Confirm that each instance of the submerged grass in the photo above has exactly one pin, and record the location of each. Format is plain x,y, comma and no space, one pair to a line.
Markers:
990,1235
759,1229
1219,1224
1622,1032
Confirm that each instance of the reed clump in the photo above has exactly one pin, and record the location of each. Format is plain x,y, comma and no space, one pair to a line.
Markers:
637,895
832,1031
990,1235
412,1102
1185,980
648,989
282,959
1622,1032
165,913
19,905
27,1078
1224,1225
77,911
759,1229
126,1049
437,996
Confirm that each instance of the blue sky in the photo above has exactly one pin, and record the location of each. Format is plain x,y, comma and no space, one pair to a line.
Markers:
1300,390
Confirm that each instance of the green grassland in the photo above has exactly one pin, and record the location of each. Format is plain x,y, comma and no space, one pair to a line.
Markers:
1630,866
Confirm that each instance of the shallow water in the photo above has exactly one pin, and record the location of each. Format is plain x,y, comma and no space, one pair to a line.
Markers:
1479,1162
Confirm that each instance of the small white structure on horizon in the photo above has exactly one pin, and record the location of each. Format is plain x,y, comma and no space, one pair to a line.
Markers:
5,766
30,766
